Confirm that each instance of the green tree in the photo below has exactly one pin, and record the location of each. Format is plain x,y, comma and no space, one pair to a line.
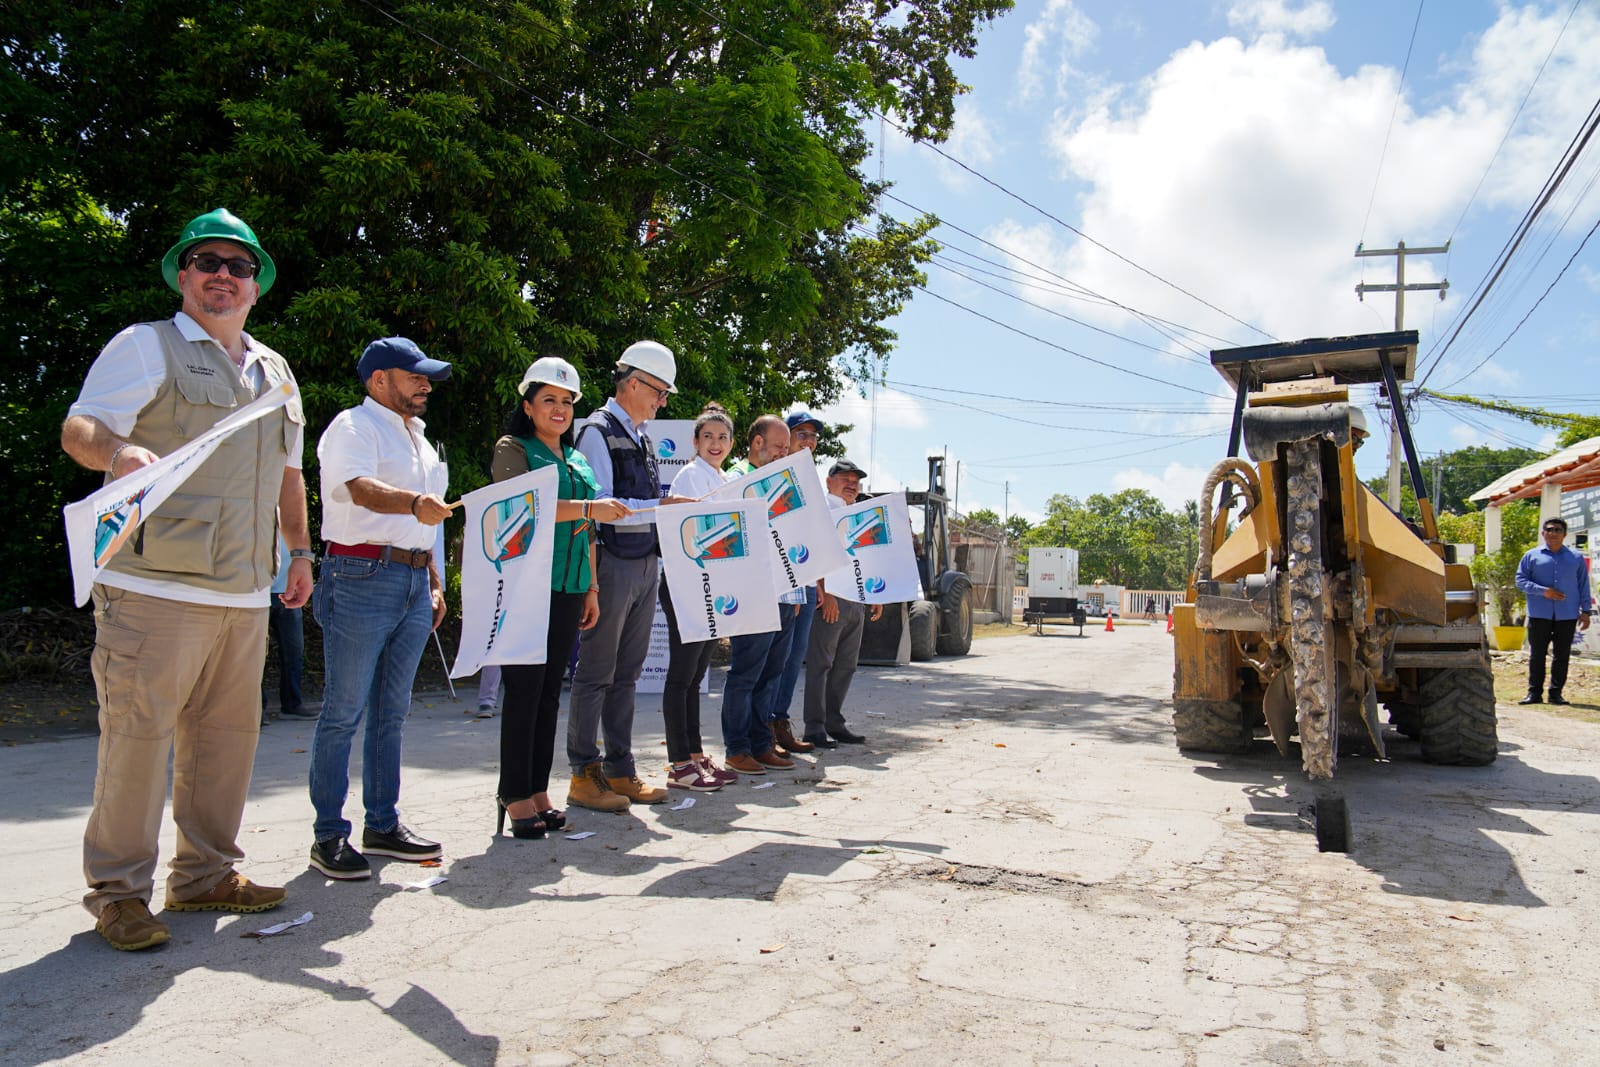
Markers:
494,179
1457,475
1126,538
1497,571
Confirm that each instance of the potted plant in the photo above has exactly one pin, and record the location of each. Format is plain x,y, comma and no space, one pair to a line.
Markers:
1497,572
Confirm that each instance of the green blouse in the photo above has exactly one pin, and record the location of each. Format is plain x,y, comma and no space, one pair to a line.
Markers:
569,572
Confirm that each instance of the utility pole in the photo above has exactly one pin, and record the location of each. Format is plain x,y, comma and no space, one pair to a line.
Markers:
1008,501
1399,289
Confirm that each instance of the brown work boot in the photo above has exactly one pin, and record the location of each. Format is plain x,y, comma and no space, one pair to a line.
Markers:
636,791
128,926
588,789
769,758
786,739
234,893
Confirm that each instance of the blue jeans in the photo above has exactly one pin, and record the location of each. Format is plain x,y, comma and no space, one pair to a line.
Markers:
375,618
286,626
797,657
753,676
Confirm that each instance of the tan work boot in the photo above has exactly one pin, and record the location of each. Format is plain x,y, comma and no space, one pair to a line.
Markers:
635,790
128,926
234,893
588,789
787,741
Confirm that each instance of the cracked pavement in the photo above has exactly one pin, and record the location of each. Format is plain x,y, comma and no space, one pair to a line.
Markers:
1018,867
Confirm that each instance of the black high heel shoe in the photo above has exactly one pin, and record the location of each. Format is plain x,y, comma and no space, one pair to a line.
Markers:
525,829
553,820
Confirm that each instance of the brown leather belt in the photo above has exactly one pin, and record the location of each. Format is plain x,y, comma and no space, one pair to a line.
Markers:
417,557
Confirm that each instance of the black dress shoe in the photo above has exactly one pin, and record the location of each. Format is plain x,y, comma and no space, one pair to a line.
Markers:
1531,698
1556,697
399,843
821,741
844,735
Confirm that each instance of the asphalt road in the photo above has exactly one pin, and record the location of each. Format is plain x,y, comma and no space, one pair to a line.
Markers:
1018,868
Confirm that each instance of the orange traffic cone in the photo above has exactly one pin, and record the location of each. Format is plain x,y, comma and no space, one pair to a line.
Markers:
1169,622
1110,629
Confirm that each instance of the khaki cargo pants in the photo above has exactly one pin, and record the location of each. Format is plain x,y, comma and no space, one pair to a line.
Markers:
175,679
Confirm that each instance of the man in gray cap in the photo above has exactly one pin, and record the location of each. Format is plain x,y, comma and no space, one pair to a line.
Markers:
180,610
378,598
835,637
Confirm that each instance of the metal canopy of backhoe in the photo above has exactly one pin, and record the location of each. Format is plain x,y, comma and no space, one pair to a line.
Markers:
1347,360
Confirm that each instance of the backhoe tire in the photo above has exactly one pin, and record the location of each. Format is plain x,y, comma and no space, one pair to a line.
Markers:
1210,726
1405,718
924,623
955,618
1458,719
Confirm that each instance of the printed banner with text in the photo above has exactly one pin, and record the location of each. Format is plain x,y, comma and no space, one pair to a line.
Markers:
804,547
506,553
715,557
882,565
102,522
674,444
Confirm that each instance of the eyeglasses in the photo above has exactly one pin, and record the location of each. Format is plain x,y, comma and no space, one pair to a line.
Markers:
805,435
210,263
661,394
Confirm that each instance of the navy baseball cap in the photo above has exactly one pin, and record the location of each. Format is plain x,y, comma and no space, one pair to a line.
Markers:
399,353
800,418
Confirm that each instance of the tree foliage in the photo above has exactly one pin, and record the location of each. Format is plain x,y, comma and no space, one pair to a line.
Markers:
1126,538
1457,475
496,180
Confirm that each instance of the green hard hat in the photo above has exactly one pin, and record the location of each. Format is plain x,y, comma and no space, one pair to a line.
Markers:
218,225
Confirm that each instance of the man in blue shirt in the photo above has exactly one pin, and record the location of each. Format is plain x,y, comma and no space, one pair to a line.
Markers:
1556,580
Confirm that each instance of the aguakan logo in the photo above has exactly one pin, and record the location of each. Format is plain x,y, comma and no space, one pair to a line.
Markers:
666,448
875,585
726,605
863,529
780,491
508,527
116,525
798,554
718,535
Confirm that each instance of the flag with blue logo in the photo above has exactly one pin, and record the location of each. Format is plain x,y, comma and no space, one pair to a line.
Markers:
714,554
102,522
881,563
800,534
507,551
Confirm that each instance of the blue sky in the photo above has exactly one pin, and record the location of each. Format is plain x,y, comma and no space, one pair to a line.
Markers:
1230,155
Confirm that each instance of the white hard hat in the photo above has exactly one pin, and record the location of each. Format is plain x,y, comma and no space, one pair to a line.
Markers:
1358,419
550,370
655,359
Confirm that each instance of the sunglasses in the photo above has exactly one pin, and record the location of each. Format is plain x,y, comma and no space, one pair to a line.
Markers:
209,263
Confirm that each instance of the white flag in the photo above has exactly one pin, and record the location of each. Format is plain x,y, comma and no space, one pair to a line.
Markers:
882,565
506,554
804,547
102,522
715,559
673,440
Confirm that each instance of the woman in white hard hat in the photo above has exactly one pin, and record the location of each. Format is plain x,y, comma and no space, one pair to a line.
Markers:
539,434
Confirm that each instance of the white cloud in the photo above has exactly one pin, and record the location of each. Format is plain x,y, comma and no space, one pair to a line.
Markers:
1243,172
1275,16
1175,485
971,141
1050,45
895,411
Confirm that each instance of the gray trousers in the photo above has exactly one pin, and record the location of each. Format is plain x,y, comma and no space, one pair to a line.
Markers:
611,654
831,664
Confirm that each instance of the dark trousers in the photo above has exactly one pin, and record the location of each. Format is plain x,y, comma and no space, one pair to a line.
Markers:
288,628
533,701
680,698
1541,634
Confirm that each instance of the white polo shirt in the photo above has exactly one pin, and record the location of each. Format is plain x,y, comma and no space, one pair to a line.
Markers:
371,441
121,382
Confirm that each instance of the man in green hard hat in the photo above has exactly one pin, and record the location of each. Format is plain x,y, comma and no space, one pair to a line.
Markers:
181,608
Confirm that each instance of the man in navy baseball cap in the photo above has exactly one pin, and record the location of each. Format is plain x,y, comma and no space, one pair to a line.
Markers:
399,353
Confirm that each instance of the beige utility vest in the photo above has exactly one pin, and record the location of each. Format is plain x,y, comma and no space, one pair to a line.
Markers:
219,530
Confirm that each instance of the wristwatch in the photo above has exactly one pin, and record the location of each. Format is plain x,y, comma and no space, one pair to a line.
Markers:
302,553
